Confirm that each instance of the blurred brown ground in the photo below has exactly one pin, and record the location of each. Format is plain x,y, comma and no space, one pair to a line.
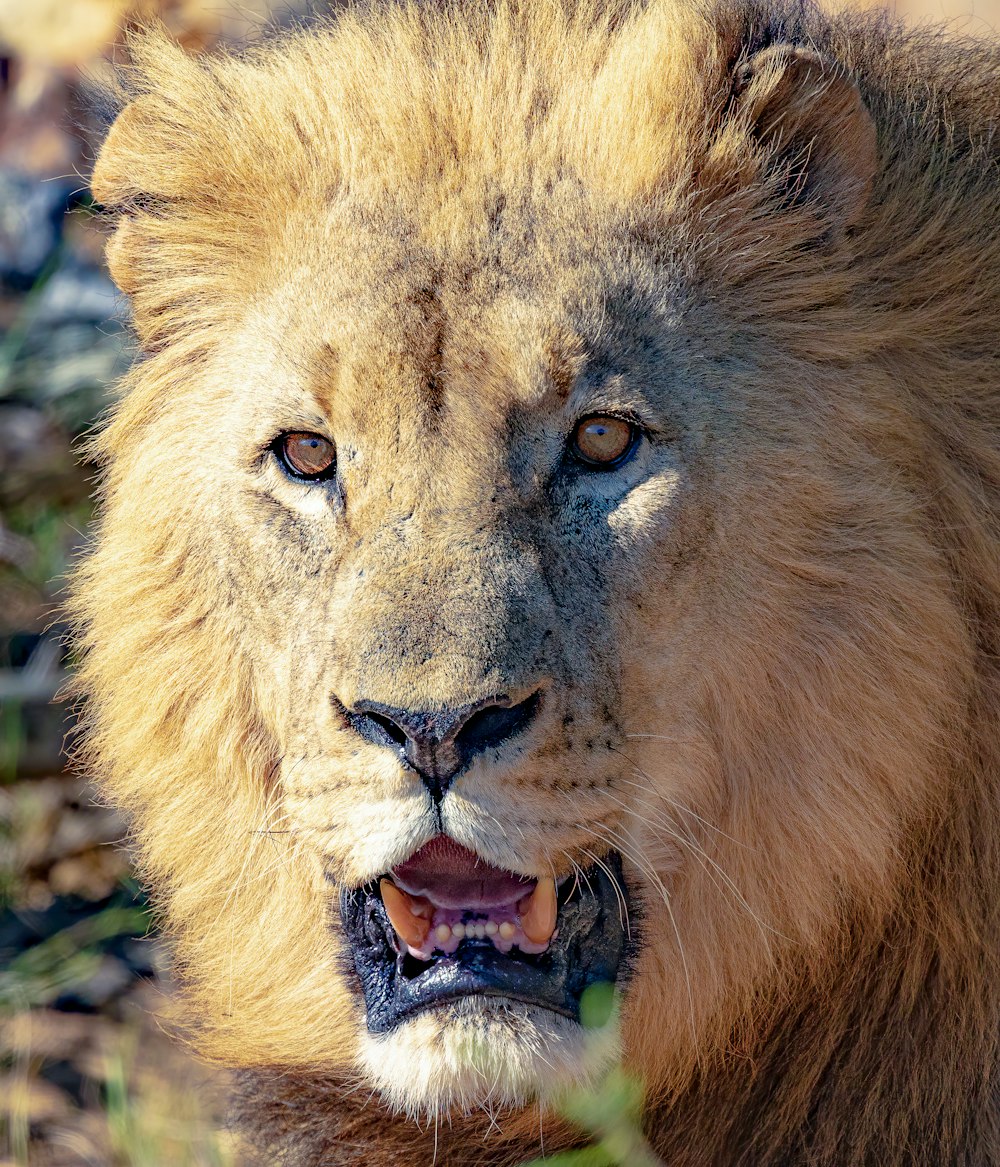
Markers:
87,1073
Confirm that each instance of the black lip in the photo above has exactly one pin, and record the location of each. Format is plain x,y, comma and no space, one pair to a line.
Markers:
589,947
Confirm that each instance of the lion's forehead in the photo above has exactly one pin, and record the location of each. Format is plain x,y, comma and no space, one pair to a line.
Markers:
475,326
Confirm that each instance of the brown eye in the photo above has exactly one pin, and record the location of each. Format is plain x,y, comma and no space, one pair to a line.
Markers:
602,440
307,455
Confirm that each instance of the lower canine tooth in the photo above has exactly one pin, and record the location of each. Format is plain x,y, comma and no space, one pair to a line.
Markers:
538,917
409,928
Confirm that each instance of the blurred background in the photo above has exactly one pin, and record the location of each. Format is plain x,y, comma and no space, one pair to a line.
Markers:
87,1074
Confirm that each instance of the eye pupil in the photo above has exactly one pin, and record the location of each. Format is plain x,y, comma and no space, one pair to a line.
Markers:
603,441
307,456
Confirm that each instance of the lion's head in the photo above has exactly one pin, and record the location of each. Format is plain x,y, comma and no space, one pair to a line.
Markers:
524,561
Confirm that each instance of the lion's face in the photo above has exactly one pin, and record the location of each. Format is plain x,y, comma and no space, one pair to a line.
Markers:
547,536
461,562
471,598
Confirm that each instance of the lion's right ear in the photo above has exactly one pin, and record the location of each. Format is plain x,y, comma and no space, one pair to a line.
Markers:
127,183
150,161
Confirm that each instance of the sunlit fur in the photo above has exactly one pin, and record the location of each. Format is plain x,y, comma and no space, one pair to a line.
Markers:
488,1054
768,643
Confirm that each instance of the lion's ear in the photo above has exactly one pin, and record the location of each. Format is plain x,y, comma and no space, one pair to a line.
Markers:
138,162
808,115
149,163
128,184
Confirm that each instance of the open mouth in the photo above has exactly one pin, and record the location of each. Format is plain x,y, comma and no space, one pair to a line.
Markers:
445,924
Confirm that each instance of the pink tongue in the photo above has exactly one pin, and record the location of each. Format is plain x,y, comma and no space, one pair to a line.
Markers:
451,876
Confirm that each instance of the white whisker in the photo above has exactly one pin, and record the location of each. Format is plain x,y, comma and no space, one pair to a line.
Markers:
622,902
688,840
632,851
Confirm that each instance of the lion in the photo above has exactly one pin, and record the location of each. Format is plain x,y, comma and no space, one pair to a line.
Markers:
596,582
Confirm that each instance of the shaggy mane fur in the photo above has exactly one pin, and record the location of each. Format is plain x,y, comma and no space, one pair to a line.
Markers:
850,1014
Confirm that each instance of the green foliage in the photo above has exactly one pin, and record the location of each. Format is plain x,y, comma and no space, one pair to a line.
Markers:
16,335
152,1113
140,1137
51,528
50,968
11,745
610,1111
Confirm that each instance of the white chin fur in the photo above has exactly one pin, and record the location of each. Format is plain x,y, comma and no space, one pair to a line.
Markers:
484,1053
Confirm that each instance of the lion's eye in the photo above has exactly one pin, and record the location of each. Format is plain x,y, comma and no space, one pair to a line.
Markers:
603,441
309,456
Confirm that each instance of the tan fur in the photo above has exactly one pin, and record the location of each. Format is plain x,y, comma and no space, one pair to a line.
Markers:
768,643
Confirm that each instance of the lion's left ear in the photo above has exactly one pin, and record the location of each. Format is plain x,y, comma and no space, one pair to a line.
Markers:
808,115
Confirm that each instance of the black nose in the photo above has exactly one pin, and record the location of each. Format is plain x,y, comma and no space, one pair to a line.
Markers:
439,744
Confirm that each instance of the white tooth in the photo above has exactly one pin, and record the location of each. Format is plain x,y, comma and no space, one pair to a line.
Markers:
442,933
490,928
507,929
458,930
480,931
